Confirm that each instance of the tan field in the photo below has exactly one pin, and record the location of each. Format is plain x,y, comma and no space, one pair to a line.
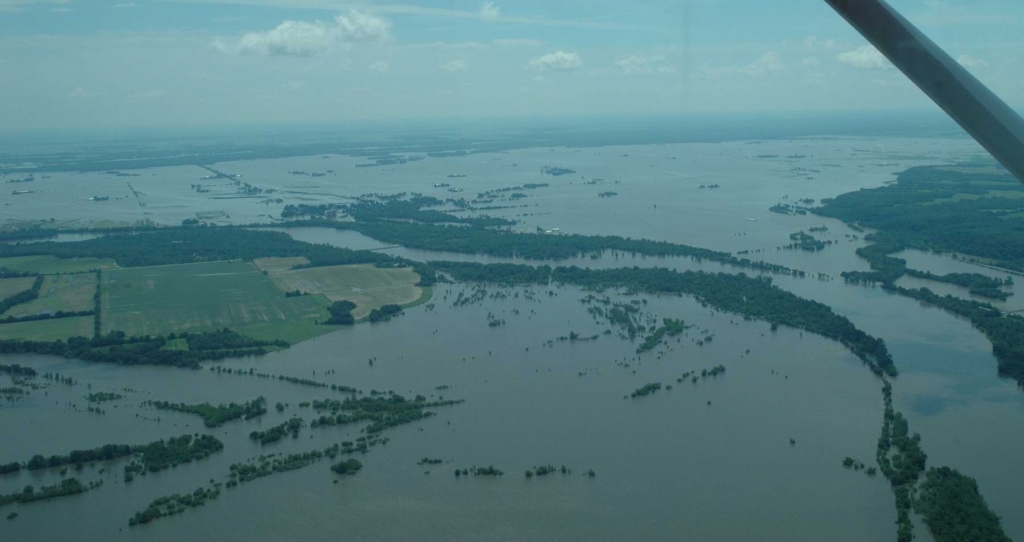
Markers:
367,286
68,293
49,330
46,265
9,287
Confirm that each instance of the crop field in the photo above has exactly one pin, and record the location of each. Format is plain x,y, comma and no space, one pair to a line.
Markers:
68,293
48,330
279,265
206,296
9,287
49,265
367,286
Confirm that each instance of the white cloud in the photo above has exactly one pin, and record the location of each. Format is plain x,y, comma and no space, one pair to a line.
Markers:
380,67
294,85
79,92
489,11
557,61
299,38
768,62
971,62
125,5
643,64
813,43
358,27
290,38
865,57
811,61
455,66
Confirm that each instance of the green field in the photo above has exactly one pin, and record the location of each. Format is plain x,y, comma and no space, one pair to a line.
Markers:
367,286
49,265
68,293
9,287
48,330
206,296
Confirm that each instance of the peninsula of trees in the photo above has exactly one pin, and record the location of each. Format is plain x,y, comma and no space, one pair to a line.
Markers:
119,349
215,416
755,297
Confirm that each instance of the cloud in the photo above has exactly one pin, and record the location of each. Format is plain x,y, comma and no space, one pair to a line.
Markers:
489,11
642,64
455,66
970,62
865,57
557,61
303,39
294,85
813,43
358,27
768,62
125,5
380,67
811,61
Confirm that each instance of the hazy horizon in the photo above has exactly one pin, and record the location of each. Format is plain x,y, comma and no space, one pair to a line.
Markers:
73,64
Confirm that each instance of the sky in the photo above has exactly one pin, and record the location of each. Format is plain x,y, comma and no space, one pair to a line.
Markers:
138,63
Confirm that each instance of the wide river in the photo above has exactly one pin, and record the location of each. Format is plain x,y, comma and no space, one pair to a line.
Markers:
707,461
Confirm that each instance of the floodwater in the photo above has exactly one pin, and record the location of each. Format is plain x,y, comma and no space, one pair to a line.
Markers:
706,461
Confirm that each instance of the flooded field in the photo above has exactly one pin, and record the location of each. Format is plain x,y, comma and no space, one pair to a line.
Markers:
754,453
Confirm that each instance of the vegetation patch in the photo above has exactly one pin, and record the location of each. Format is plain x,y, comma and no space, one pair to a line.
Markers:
347,467
21,297
64,293
740,294
14,285
53,329
117,348
278,432
48,265
381,412
215,416
954,509
157,301
103,396
172,505
669,328
368,286
920,211
69,486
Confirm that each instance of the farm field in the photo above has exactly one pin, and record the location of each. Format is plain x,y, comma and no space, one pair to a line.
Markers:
48,265
367,286
68,293
9,287
206,296
48,330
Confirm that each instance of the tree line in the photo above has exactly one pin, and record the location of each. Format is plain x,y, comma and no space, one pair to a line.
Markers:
23,296
215,416
921,211
755,297
115,347
156,455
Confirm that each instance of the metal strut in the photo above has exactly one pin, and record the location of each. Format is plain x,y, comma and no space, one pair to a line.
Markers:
971,104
